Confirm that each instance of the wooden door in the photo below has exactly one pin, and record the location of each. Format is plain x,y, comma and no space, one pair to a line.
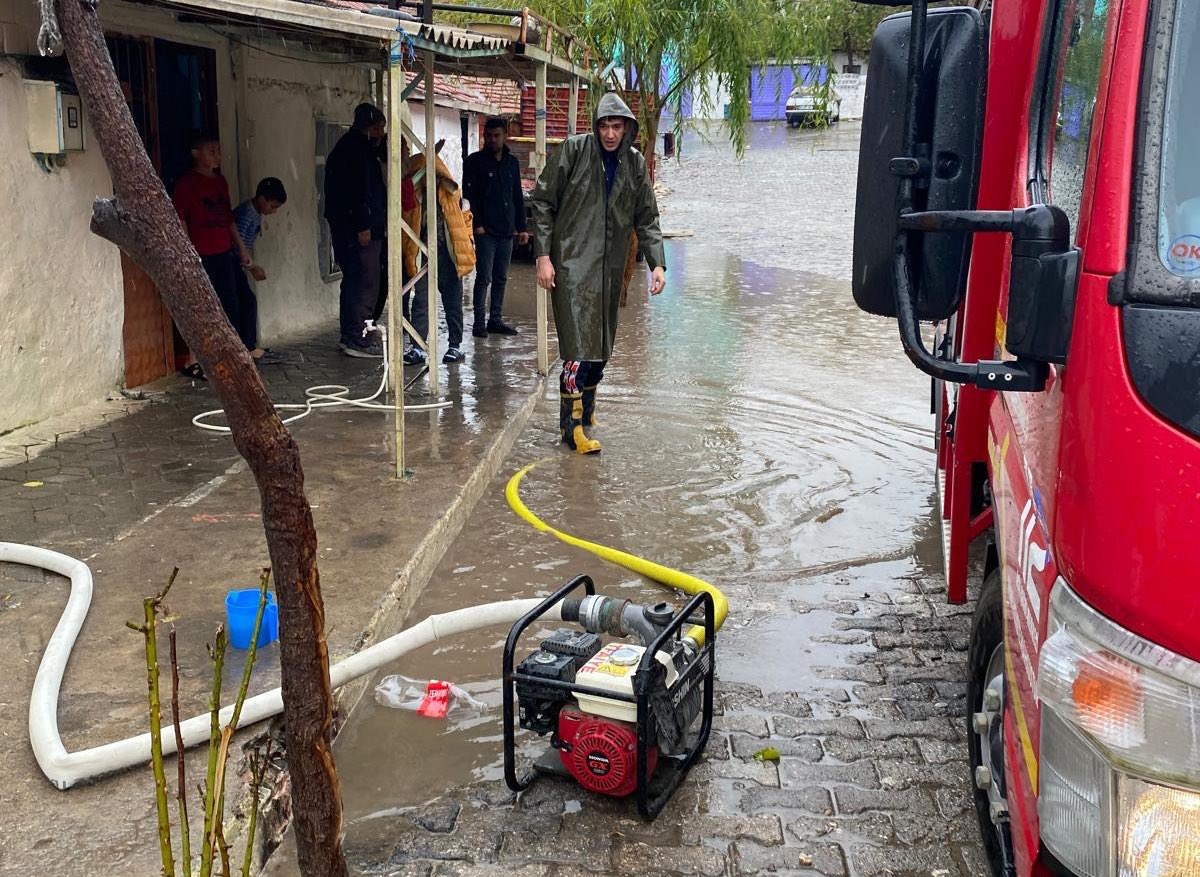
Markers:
171,91
147,330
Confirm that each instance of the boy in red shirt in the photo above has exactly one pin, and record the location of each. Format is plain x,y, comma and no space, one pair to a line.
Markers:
202,198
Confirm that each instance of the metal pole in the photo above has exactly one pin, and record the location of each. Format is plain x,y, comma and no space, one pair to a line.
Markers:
543,341
395,245
573,107
431,230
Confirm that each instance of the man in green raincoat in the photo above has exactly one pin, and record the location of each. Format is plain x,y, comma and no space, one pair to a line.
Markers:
594,192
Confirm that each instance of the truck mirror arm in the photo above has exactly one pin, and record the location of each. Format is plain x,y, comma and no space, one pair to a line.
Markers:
1016,376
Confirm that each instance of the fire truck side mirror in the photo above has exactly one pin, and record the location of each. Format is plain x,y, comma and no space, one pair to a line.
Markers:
1043,276
943,168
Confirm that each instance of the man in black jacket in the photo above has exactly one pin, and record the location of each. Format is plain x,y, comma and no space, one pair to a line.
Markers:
356,207
492,183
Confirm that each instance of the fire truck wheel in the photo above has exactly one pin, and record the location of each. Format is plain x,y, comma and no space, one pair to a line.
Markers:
985,724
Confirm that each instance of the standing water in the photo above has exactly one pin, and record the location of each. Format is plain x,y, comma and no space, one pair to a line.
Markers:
758,431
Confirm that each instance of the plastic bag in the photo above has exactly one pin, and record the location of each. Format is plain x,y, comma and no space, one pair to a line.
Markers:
433,699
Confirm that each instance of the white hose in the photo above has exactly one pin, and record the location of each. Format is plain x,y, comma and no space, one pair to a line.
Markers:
64,768
330,396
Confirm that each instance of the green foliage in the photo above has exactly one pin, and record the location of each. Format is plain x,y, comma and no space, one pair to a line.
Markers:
713,38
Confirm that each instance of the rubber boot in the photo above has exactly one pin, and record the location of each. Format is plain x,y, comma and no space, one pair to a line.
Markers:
589,407
570,421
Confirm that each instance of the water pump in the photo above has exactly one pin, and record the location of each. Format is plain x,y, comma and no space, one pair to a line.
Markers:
626,716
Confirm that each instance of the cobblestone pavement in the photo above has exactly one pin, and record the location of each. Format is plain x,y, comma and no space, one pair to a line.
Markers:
743,442
871,779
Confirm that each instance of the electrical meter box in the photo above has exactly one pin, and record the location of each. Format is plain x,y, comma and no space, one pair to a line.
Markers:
55,118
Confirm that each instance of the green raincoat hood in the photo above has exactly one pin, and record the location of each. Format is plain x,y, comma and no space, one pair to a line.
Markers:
611,106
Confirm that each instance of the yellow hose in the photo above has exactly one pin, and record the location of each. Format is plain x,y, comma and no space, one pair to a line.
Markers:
664,575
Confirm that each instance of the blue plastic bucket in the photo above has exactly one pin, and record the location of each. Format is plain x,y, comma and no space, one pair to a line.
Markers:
241,607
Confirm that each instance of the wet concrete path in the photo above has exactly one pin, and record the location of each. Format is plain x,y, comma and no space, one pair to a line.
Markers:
761,433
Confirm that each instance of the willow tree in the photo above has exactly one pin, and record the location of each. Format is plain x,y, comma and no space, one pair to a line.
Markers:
710,40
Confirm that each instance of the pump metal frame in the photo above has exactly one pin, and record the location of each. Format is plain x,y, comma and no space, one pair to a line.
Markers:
652,793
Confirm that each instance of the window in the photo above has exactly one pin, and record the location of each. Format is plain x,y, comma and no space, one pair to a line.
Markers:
1179,180
1077,44
328,134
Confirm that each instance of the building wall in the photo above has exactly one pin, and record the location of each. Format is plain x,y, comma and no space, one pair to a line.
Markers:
711,97
60,285
276,134
61,293
447,125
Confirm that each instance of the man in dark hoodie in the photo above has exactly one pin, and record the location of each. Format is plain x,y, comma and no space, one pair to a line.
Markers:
356,207
594,192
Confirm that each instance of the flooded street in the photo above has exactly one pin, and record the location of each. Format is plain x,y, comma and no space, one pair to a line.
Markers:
761,433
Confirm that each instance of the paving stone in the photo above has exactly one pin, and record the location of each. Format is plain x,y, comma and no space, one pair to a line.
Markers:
906,774
463,869
438,818
942,751
420,869
803,748
794,773
763,773
920,710
936,729
893,692
896,861
871,625
812,799
862,750
849,799
642,859
825,860
527,846
875,827
789,726
764,829
744,723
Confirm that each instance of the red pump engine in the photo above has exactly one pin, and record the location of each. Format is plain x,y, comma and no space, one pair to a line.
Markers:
601,753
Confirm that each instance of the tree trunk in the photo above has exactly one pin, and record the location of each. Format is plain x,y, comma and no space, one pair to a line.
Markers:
141,220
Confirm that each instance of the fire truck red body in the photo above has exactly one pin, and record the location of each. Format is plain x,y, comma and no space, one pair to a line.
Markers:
1080,499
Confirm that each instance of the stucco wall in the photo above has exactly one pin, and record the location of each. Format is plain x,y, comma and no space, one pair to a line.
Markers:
448,126
60,285
284,100
61,298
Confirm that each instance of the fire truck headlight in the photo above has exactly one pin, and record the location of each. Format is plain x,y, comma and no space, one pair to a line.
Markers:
1159,830
1137,702
1116,708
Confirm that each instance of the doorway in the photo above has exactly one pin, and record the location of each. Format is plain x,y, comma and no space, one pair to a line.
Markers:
171,91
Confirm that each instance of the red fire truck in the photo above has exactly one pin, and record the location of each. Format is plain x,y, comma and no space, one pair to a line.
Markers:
1028,210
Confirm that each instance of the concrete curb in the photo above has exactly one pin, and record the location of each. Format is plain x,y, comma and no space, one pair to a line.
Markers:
410,582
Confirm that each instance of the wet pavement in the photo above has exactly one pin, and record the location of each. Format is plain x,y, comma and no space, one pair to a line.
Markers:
761,433
134,488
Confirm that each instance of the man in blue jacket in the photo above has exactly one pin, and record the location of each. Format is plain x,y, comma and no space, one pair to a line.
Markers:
492,183
356,207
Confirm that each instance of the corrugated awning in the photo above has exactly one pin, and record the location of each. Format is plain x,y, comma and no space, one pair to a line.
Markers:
345,19
458,51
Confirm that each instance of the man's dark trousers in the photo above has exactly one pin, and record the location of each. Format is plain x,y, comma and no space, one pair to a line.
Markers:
450,286
493,254
360,283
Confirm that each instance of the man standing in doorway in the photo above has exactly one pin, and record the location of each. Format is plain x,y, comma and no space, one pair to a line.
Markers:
356,207
594,192
492,183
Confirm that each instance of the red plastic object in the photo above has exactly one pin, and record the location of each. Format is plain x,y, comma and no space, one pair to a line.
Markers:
436,702
601,754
